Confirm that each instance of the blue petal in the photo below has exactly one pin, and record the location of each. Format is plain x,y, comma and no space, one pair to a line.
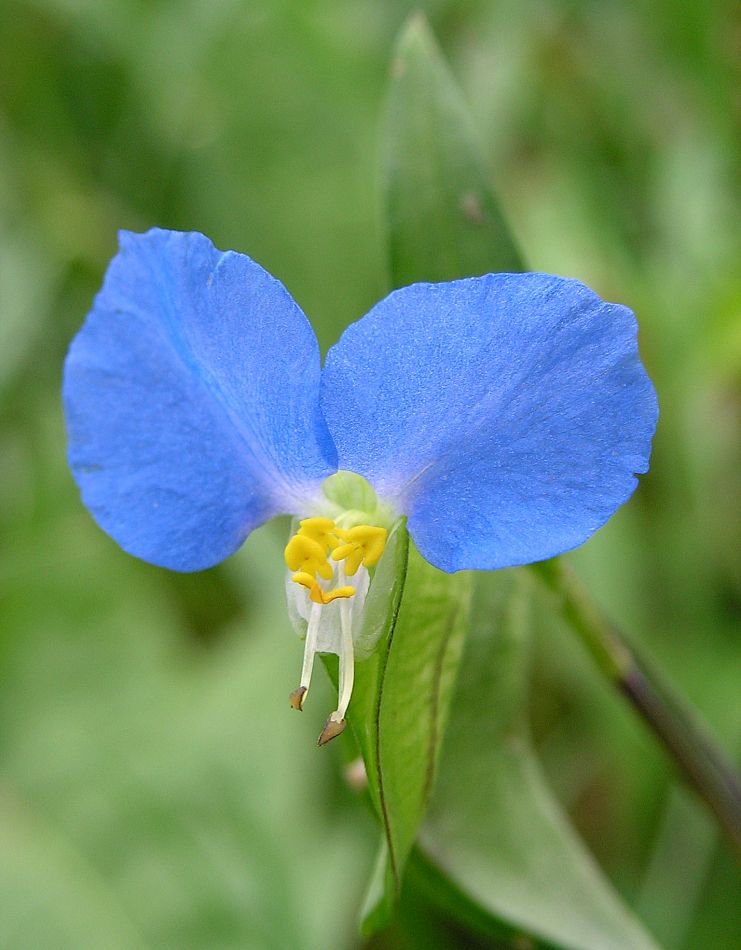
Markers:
192,401
506,415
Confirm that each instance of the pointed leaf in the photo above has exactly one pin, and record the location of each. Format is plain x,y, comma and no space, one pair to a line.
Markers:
496,843
443,219
494,828
400,703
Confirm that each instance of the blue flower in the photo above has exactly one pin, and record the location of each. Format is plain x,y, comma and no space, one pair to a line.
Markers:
506,416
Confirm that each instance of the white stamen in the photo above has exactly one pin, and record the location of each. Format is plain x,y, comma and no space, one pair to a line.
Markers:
347,659
310,648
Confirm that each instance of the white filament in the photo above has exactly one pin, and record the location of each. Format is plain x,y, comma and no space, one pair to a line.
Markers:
312,630
346,654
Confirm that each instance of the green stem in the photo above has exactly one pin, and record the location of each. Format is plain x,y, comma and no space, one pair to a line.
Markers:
674,723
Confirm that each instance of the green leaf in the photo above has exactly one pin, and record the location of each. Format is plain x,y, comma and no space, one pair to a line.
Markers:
381,613
401,698
443,219
493,828
496,845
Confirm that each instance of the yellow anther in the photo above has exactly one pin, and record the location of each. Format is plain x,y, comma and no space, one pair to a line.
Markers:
363,544
304,579
305,554
336,594
316,593
321,530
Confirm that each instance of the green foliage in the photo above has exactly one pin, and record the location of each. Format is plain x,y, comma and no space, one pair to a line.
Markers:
400,707
494,829
443,219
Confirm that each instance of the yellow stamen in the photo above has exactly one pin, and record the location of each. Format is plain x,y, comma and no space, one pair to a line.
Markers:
316,593
305,554
338,592
363,544
321,530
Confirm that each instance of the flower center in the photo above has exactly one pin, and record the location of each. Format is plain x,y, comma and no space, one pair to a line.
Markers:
322,554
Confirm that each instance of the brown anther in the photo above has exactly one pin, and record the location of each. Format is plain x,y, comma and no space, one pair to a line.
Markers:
331,730
296,699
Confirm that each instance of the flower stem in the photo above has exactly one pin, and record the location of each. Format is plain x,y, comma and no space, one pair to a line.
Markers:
674,723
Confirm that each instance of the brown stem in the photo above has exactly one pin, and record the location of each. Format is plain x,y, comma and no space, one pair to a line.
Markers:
674,723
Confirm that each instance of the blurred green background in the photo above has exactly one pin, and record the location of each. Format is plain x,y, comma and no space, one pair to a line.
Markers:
155,788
